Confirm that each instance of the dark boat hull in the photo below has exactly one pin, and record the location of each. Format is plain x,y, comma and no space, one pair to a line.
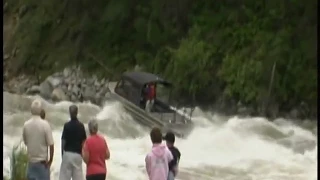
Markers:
182,126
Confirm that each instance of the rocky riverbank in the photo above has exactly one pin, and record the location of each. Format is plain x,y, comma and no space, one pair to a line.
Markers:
72,84
69,85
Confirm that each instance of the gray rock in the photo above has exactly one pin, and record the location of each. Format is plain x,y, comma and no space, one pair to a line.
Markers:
73,98
75,90
66,81
23,86
66,72
89,93
59,95
45,89
70,86
57,75
97,83
137,68
64,87
54,81
294,113
103,81
103,91
97,99
33,90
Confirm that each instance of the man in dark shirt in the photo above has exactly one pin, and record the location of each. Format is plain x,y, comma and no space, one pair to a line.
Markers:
73,136
173,165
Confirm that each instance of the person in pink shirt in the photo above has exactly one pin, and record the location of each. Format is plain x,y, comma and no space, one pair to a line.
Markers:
95,152
158,159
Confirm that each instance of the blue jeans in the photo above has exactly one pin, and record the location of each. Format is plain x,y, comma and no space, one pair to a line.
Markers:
38,171
170,175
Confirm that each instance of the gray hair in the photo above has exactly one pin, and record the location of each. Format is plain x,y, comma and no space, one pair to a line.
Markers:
93,126
36,107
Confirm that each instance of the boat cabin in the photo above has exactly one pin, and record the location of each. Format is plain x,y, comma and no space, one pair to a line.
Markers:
132,87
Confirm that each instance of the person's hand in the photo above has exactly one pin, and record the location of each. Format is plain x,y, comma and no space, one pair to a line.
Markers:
48,164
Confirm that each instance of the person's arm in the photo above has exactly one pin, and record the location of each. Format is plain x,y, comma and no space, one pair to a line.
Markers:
85,152
24,136
107,151
177,160
63,139
83,135
50,143
148,165
169,155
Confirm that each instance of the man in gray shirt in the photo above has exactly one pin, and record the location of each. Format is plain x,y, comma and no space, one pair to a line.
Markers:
37,136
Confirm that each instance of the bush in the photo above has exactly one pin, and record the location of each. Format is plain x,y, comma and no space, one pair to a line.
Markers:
18,163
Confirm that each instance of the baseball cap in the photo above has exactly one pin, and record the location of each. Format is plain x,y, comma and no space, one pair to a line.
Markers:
170,137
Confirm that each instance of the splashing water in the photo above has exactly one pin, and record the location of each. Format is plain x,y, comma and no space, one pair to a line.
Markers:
219,147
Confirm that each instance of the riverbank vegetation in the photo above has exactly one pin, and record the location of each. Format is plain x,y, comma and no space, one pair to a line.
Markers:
254,52
18,164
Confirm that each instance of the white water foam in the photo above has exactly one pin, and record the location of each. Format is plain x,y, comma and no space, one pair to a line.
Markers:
235,149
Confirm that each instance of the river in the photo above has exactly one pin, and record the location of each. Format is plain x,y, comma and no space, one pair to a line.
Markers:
220,148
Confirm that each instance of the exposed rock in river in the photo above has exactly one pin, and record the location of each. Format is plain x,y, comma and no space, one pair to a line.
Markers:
68,85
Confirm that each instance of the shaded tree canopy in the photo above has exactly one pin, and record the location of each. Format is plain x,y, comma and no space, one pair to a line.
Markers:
207,48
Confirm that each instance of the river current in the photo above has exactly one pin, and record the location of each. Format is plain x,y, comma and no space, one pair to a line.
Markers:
220,148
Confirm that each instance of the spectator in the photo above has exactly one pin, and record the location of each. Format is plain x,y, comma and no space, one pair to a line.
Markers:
95,152
43,114
173,165
37,136
157,161
73,136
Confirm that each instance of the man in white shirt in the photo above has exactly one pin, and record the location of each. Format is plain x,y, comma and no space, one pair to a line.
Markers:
37,136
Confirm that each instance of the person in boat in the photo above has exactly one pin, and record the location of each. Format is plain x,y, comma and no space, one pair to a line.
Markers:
151,93
144,95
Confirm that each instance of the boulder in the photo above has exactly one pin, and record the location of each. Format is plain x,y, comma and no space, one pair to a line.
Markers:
59,95
33,90
45,89
54,81
89,93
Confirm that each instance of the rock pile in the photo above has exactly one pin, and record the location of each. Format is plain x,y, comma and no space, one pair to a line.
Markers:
71,85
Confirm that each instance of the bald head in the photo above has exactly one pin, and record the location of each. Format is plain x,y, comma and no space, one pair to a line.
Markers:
73,110
93,126
36,107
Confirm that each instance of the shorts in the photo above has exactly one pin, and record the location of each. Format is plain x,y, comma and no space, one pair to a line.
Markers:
96,177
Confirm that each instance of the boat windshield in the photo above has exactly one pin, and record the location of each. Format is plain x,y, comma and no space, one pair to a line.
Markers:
163,93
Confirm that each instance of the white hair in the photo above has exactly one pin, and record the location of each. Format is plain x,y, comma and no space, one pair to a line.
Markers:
36,107
93,126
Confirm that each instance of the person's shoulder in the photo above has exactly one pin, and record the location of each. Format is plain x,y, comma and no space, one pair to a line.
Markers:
81,124
101,137
66,124
45,124
178,151
26,123
174,150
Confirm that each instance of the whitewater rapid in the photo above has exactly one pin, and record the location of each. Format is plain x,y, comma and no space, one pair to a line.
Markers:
220,148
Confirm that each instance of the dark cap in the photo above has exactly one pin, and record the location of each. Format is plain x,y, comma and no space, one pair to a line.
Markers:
170,137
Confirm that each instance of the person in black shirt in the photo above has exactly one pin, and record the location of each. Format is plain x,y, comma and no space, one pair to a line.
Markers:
73,137
173,165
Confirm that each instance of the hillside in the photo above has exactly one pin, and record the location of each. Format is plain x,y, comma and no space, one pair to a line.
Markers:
259,53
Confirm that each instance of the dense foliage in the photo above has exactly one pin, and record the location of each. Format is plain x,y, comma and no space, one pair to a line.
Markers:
206,47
